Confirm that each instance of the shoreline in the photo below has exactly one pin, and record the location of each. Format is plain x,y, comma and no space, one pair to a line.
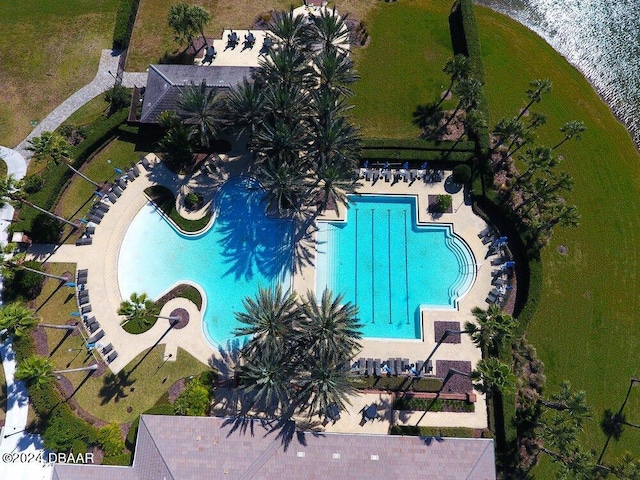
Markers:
635,137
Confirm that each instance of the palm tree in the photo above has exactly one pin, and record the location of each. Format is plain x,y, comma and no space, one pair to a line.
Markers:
329,31
199,107
574,404
11,260
17,320
267,379
491,374
281,141
505,129
468,90
537,89
11,192
335,71
538,160
287,66
330,329
334,182
285,104
244,108
285,185
55,147
269,319
322,386
457,68
334,141
139,308
493,327
35,371
573,129
186,21
289,28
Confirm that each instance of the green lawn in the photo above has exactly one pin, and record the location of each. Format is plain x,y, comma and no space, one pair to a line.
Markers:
401,68
108,397
48,50
586,328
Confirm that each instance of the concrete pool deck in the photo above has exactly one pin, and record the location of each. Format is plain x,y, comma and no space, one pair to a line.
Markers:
101,260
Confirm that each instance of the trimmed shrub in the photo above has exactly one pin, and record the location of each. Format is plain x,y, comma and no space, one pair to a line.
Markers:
166,201
45,229
24,285
418,156
32,183
462,174
118,97
110,440
123,460
416,144
194,401
433,405
443,203
458,432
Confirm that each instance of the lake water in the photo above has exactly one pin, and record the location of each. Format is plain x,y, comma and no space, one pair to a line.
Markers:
600,37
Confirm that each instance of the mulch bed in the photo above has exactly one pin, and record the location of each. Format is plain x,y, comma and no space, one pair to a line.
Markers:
176,389
456,383
432,201
40,340
440,327
67,390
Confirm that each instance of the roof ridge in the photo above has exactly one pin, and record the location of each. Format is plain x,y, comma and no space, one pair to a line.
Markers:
160,97
259,462
142,421
488,447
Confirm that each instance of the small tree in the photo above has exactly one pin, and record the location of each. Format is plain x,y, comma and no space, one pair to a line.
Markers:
118,97
194,401
110,440
462,173
186,21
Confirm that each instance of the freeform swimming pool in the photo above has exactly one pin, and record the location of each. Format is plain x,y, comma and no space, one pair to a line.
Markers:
389,266
242,250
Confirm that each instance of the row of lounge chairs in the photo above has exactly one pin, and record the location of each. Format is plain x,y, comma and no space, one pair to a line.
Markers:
392,367
404,174
90,323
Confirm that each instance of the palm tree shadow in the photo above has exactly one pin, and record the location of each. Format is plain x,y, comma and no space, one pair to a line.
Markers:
54,292
427,115
612,423
114,387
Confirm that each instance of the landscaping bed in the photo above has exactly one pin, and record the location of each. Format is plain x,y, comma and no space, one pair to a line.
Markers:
165,200
433,405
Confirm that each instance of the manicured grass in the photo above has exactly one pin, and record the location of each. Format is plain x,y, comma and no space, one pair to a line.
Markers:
586,328
402,66
48,50
107,397
152,38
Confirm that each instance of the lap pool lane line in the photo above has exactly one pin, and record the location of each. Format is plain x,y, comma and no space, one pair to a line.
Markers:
21,454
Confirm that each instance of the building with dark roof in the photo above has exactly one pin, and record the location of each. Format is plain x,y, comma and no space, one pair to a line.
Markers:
192,448
165,84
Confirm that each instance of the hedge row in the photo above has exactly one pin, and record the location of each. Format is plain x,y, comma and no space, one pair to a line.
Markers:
463,23
457,432
433,405
62,430
125,18
416,144
417,156
402,383
98,133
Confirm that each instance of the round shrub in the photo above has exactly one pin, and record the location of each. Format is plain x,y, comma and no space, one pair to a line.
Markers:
194,400
33,183
45,229
110,440
193,201
462,173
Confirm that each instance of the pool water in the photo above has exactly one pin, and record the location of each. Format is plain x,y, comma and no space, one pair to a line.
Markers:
389,266
242,250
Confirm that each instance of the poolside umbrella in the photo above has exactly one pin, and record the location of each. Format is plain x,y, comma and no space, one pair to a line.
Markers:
406,165
386,165
423,166
366,164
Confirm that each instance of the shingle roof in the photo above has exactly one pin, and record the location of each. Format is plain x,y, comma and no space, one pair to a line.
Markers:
166,82
183,448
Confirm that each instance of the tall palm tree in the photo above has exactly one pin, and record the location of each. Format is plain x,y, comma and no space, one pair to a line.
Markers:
54,147
333,183
284,183
505,129
493,327
573,129
491,374
468,90
329,31
17,320
457,68
36,371
536,89
290,29
244,108
330,329
323,385
11,192
335,71
285,104
573,404
267,379
200,107
269,319
287,65
334,141
186,21
139,308
11,261
538,161
282,141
